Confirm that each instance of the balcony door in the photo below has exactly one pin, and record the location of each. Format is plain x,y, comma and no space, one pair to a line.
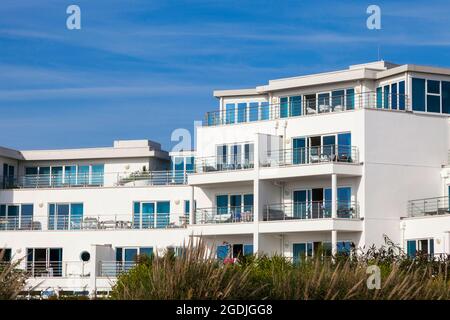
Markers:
299,150
301,207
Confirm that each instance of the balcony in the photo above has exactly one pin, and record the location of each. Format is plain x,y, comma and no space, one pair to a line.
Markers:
111,179
114,268
312,210
311,155
224,215
50,269
222,163
91,223
322,104
428,207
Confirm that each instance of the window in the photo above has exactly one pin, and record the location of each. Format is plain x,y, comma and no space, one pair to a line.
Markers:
235,156
284,107
445,97
418,94
5,255
65,216
16,216
242,112
149,215
350,99
126,257
433,96
230,113
60,176
253,111
379,98
401,95
423,246
44,262
240,206
391,96
265,111
233,251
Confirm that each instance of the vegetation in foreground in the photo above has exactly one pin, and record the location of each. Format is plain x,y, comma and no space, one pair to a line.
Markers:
12,279
197,275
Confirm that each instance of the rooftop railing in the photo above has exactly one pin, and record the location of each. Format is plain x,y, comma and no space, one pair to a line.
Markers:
320,105
428,207
311,155
113,179
91,222
310,210
224,215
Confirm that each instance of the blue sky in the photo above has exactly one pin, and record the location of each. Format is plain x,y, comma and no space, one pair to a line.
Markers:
141,68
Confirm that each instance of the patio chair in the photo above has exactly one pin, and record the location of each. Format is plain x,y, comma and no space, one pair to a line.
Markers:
324,108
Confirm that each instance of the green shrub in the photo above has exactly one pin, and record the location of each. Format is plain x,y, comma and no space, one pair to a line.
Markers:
198,275
12,279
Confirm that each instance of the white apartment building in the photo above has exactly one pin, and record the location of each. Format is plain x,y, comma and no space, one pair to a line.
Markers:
330,160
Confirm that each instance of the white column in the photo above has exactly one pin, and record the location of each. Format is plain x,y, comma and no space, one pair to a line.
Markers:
192,207
334,242
334,195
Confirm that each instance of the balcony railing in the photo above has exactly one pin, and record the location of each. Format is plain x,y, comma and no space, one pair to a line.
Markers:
114,268
310,210
110,179
319,105
428,207
311,155
91,222
224,215
37,269
223,163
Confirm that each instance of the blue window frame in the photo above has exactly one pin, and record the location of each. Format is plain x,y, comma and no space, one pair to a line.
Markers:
236,204
433,86
299,150
57,176
301,208
445,97
350,102
241,112
394,96
323,100
337,98
148,215
328,145
386,97
162,214
298,252
70,175
296,105
433,103
98,172
76,215
229,113
222,251
379,98
248,249
248,202
344,146
284,107
344,247
411,248
65,216
253,111
401,95
265,111
148,251
83,175
222,204
418,94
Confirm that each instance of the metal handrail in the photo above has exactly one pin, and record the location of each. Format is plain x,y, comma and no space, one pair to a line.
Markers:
224,214
142,178
310,155
91,222
114,268
310,210
429,206
319,105
57,269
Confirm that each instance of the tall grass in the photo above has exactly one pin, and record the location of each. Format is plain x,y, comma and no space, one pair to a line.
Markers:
12,279
197,275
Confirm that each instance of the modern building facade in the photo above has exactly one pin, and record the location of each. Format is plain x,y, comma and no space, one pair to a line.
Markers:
330,160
